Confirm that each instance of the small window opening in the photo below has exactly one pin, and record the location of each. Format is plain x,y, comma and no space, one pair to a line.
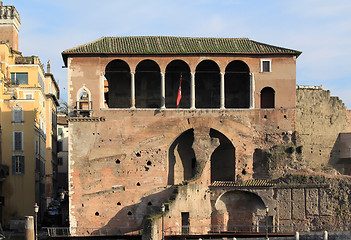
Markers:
97,214
119,204
130,213
243,172
148,163
138,184
138,154
118,161
149,203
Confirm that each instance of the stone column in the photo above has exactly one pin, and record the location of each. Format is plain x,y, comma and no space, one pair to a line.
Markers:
163,91
29,227
252,90
132,90
222,95
192,90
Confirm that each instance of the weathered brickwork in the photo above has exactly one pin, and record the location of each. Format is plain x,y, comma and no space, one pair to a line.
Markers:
213,167
320,120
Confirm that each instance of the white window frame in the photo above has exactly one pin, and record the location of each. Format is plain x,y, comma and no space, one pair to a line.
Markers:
18,164
14,141
270,65
15,110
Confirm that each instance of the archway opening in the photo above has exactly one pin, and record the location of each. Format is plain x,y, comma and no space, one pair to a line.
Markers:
117,84
207,80
267,97
237,85
175,71
222,159
181,157
239,211
147,85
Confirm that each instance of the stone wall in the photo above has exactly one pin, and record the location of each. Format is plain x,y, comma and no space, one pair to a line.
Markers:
320,119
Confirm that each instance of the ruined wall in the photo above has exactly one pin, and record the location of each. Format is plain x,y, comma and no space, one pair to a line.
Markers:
119,164
320,119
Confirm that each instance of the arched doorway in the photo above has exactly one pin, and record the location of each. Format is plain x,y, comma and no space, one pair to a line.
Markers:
181,158
147,85
222,159
237,85
238,211
267,97
207,80
175,71
117,84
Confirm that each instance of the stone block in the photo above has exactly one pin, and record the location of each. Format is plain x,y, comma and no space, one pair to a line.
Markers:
312,201
284,203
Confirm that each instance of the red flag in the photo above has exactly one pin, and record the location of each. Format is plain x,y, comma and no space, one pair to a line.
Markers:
179,91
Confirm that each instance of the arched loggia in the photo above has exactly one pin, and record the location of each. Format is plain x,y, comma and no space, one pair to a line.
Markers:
117,84
175,71
237,85
147,85
207,82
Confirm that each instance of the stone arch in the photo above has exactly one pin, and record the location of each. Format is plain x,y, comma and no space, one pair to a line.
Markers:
147,84
84,93
238,211
117,85
174,71
237,85
181,158
222,158
267,97
207,78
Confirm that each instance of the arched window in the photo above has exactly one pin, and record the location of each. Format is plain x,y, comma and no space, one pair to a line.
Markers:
147,85
117,84
267,97
207,80
175,71
237,85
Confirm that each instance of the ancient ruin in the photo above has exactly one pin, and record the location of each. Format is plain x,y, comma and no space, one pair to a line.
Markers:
244,149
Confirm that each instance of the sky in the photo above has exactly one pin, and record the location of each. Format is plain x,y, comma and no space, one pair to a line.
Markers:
321,29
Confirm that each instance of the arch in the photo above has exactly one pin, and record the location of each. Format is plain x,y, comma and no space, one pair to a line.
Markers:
249,206
174,71
82,91
222,159
181,158
207,78
117,84
147,85
237,85
267,97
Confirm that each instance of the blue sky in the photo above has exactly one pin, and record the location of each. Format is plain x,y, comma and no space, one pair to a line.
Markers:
321,29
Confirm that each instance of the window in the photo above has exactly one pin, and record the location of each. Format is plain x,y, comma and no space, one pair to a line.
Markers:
36,147
17,141
60,161
17,164
28,96
266,65
59,146
17,114
60,132
19,78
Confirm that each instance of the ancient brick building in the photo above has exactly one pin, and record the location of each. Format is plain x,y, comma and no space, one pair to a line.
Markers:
216,160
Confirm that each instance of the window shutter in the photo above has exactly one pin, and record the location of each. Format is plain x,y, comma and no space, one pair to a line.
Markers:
22,163
18,141
13,165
